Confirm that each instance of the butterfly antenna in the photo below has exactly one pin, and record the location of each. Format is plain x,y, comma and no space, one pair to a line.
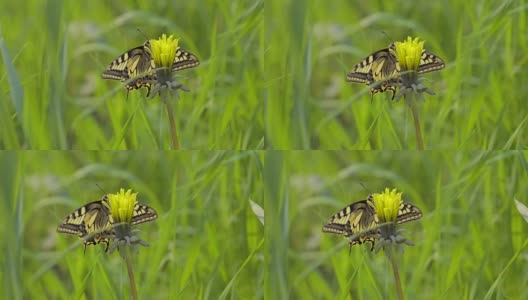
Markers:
100,189
388,37
139,30
370,192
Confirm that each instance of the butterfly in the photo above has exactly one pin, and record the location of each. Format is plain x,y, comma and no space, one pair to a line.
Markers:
136,67
94,223
360,221
381,69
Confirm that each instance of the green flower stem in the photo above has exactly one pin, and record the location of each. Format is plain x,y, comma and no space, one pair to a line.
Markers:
170,112
397,280
131,277
417,128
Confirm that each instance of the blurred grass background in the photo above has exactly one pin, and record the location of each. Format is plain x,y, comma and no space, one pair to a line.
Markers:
206,243
470,244
53,53
480,100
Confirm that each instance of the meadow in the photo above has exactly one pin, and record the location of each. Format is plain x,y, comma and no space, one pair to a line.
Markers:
206,243
53,53
480,101
470,243
271,85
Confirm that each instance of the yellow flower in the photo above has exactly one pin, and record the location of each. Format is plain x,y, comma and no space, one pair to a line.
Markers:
122,206
163,51
387,205
409,53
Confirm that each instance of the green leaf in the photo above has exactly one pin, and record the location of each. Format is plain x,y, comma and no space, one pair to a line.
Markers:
257,210
17,92
523,210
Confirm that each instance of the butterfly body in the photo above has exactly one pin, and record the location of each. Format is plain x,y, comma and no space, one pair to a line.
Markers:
381,70
94,223
137,67
360,223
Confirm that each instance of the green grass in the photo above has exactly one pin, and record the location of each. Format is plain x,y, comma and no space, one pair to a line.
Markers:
272,76
470,244
206,244
53,54
480,100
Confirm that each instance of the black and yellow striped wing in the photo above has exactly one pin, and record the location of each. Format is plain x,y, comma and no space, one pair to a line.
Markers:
133,63
92,222
430,62
379,71
143,213
184,60
408,212
134,66
355,220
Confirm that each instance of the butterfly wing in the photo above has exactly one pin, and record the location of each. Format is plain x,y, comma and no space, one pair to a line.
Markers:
134,66
130,64
91,222
362,72
143,213
429,62
356,221
98,225
408,212
379,71
89,215
184,60
385,73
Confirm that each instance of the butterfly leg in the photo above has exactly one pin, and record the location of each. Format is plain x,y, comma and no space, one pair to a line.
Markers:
107,244
148,90
371,244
